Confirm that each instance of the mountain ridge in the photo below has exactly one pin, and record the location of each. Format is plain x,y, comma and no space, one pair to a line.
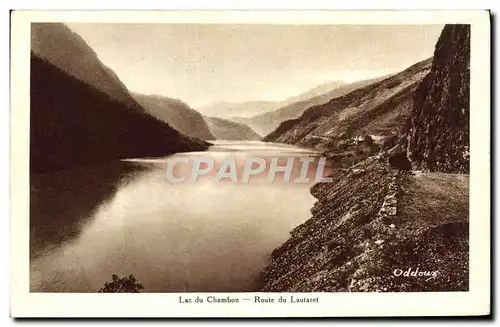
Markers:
381,226
247,109
58,44
224,129
378,108
176,113
437,137
267,122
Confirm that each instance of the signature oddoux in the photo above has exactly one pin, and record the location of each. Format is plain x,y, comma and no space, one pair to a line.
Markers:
410,272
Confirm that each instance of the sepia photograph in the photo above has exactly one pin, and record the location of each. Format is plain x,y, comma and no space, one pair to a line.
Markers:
249,162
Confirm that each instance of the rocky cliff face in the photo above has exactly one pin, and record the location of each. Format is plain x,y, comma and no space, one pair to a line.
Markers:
269,121
438,135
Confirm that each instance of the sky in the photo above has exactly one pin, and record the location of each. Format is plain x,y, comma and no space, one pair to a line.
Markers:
207,63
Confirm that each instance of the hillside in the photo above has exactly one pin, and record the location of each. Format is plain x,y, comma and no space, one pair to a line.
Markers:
73,123
241,109
224,129
381,226
438,132
269,121
58,45
380,109
176,113
370,222
316,91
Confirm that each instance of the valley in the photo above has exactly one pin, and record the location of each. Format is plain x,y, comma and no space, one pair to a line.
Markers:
387,191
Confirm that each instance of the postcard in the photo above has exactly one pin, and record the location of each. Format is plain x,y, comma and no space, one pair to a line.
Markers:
250,163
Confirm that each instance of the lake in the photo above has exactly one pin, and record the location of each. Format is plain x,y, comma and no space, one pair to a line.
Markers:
126,218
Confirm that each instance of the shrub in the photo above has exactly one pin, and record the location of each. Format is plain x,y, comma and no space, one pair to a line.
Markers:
122,285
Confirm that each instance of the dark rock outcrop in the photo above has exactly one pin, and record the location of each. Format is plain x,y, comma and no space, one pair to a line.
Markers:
438,132
399,161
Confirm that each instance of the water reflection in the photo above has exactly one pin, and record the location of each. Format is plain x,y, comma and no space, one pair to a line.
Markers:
62,202
183,237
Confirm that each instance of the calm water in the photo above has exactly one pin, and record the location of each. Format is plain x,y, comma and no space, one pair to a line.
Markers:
126,218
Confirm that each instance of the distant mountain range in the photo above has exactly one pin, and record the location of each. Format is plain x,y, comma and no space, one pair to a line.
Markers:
82,113
269,121
252,108
66,50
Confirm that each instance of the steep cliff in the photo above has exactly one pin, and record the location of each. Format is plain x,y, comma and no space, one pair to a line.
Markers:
438,136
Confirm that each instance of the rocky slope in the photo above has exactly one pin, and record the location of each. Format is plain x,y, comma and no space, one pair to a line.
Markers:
73,123
370,226
380,109
269,121
224,129
378,227
176,113
438,136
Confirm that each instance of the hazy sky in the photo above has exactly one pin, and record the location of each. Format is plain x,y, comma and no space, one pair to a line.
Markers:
202,64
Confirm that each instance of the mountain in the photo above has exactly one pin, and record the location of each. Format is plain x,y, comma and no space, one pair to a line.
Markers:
224,129
269,121
72,123
438,132
176,113
80,112
241,110
58,45
377,227
315,91
379,109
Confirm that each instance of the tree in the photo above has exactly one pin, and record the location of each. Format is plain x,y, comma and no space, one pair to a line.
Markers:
122,285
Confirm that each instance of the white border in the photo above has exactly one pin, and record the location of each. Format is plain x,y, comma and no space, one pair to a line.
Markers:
474,302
